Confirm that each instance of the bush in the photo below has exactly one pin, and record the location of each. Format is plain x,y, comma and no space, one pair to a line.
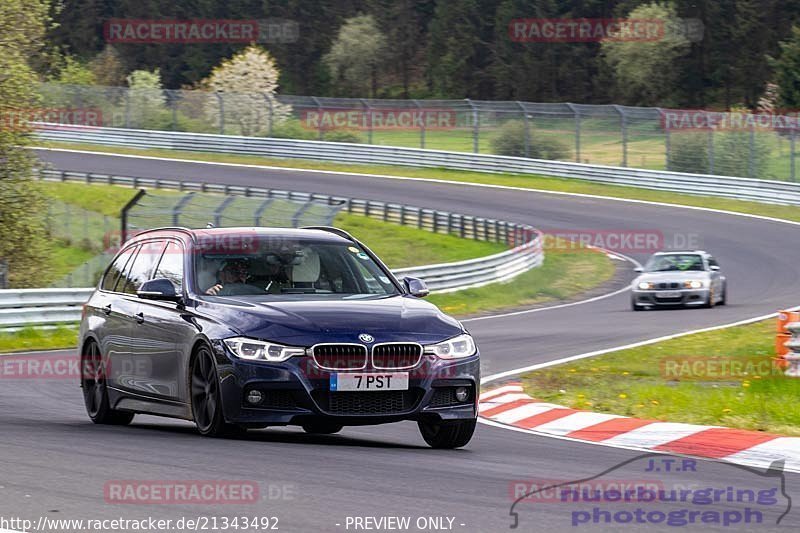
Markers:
510,140
689,153
291,129
343,136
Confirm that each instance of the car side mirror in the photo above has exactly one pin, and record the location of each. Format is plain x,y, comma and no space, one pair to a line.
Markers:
158,289
638,269
416,287
715,268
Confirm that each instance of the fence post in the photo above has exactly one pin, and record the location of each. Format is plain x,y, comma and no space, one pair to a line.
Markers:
665,125
221,102
174,108
421,126
527,129
577,132
751,168
369,119
3,274
319,114
792,140
123,216
623,124
127,108
710,151
271,114
475,126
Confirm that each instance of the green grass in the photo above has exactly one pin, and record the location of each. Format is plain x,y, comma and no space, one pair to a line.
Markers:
561,276
64,259
513,180
98,198
642,382
29,338
403,246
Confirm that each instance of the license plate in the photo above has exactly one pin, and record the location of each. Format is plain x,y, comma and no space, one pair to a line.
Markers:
369,382
668,295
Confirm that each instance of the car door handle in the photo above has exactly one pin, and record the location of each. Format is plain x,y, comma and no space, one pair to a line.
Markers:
139,317
107,309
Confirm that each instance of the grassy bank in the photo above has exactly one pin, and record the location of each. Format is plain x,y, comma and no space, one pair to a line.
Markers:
725,377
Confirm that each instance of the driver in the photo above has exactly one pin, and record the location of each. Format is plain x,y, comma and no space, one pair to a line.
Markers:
233,273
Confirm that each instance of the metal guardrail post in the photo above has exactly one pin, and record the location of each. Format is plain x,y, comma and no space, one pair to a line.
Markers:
793,357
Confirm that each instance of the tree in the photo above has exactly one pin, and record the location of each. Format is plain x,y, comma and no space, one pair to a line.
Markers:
643,72
22,27
787,70
107,67
356,55
145,98
246,84
74,72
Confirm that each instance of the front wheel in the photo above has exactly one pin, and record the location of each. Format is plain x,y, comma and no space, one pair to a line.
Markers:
724,299
206,399
447,434
95,391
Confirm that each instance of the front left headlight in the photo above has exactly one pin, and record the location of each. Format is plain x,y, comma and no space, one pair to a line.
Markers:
251,349
645,285
693,284
455,348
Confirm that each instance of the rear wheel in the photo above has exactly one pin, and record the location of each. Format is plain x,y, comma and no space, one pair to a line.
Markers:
95,391
322,427
206,399
447,434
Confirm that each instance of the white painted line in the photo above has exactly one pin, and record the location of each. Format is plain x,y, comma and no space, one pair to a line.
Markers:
520,413
656,434
574,422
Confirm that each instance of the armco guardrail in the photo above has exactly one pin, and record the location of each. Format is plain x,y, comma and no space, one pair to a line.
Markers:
776,192
50,306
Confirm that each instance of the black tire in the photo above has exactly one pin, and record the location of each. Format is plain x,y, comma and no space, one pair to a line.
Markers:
710,303
205,397
636,307
724,298
447,434
95,391
322,427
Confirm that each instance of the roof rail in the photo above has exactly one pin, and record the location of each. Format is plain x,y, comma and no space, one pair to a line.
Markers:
186,230
331,229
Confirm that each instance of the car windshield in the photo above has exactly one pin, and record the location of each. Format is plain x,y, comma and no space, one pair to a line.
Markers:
278,266
674,262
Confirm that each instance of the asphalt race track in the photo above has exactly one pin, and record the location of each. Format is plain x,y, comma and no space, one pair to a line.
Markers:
55,463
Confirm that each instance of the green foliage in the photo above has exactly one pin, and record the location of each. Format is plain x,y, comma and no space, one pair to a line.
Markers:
74,72
787,70
356,55
22,27
644,71
511,140
732,153
147,101
344,136
107,67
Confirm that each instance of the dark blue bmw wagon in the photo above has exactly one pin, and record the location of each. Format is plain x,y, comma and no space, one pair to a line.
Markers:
238,328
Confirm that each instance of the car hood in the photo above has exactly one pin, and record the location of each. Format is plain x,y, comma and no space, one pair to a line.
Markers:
672,275
308,322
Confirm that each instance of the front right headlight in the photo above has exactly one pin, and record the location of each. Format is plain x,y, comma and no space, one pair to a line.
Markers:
645,285
455,348
251,349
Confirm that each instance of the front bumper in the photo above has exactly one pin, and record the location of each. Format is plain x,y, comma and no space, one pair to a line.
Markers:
674,297
297,390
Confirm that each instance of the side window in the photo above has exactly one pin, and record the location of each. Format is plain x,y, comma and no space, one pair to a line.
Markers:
113,273
171,265
143,265
712,262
